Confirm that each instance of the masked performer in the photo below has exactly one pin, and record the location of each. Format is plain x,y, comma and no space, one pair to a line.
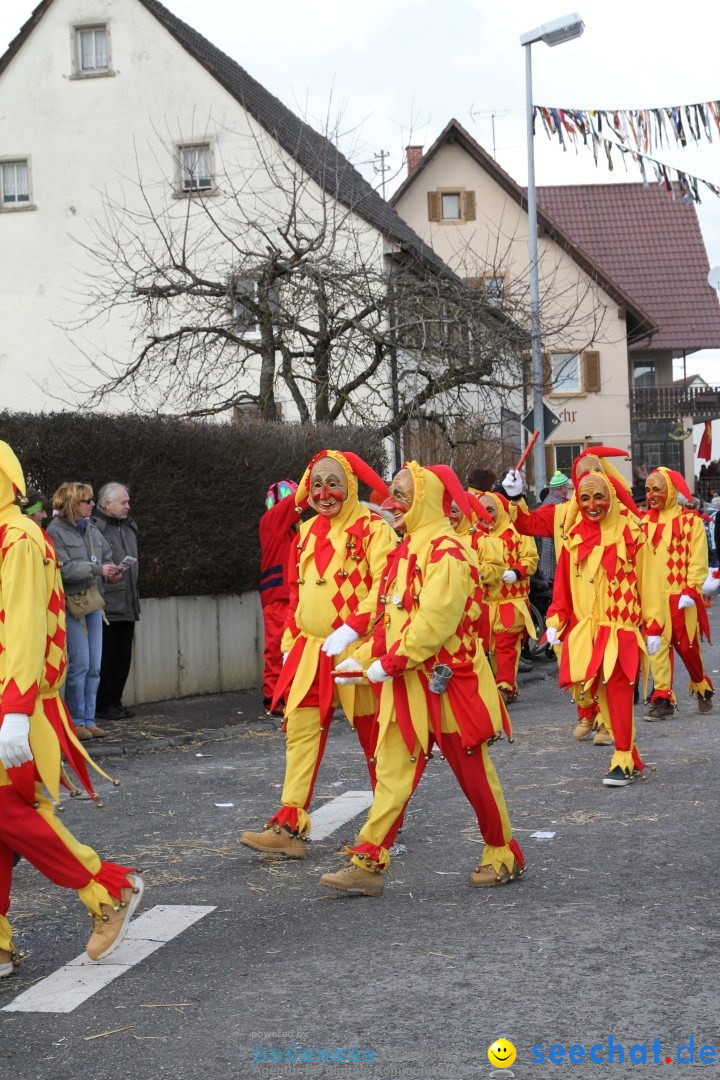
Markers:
335,566
606,595
496,541
555,521
278,526
35,729
427,617
678,538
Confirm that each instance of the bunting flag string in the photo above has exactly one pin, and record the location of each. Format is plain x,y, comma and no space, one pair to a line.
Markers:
631,133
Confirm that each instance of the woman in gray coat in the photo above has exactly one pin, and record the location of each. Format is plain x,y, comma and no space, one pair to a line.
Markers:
85,556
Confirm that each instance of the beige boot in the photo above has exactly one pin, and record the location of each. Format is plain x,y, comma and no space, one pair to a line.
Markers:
8,962
355,881
110,928
486,877
276,841
603,738
583,729
704,703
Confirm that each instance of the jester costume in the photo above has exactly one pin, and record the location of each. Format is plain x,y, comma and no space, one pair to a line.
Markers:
606,595
33,661
427,616
277,531
334,572
499,543
678,539
555,521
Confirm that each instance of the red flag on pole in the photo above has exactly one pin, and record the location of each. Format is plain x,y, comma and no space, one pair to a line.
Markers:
705,447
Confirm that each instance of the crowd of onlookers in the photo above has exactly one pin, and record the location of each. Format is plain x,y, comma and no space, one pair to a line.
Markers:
97,549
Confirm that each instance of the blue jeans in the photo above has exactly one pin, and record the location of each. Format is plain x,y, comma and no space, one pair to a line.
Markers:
83,672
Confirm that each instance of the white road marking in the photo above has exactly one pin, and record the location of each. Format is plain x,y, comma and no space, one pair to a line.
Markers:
334,814
73,984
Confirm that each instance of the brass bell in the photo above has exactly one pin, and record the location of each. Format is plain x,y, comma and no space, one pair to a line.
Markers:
413,758
320,581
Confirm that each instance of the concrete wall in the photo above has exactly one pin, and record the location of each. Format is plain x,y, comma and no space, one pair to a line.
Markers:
196,645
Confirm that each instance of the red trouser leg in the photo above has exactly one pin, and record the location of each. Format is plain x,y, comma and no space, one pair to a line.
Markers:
691,656
367,733
274,615
477,778
619,692
507,654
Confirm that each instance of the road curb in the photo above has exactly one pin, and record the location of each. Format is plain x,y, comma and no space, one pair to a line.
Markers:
203,736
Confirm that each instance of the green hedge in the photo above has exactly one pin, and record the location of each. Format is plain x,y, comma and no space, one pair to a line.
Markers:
197,489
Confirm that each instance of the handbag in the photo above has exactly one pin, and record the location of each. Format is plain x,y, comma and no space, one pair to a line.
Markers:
81,603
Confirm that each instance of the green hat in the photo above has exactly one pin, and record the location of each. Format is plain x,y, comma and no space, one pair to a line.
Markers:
559,479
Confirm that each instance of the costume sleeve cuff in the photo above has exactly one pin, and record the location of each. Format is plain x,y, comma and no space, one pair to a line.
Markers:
653,629
13,701
393,664
518,569
359,623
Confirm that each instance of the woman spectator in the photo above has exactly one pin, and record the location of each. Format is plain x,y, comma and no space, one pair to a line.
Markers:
85,558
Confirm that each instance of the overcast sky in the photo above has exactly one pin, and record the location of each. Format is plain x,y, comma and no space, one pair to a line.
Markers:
396,67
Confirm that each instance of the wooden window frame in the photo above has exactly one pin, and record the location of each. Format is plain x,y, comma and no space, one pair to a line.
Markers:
466,198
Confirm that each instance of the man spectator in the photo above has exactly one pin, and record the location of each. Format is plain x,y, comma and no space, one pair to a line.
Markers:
558,493
122,604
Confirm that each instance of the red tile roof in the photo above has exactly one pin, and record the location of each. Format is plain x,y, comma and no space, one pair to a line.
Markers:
652,247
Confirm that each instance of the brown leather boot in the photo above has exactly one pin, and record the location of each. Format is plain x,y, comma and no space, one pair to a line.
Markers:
110,928
704,703
355,881
603,738
276,841
486,877
662,709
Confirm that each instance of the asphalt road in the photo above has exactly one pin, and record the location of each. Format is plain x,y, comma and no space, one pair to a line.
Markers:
612,933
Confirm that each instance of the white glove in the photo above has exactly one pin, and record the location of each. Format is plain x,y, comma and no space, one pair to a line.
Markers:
349,665
653,644
377,673
509,577
552,636
339,640
512,484
711,584
685,601
14,744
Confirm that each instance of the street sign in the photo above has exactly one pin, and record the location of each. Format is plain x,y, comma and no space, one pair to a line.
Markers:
552,420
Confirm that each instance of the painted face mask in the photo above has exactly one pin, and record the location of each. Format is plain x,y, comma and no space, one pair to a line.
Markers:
328,488
492,512
455,515
402,493
656,490
593,498
589,464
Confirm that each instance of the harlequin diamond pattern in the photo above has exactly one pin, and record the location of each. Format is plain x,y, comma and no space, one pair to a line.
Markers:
350,590
623,603
677,561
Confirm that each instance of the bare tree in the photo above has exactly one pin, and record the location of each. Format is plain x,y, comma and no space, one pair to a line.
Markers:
278,292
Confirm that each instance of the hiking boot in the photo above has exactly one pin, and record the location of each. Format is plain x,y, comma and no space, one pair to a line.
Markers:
355,881
95,731
83,733
486,877
8,962
704,703
617,777
276,841
662,709
603,738
110,928
582,730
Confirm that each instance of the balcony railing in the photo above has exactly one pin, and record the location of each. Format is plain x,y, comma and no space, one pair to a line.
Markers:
675,402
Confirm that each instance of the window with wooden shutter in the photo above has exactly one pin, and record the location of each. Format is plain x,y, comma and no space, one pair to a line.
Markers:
591,371
433,205
547,372
468,198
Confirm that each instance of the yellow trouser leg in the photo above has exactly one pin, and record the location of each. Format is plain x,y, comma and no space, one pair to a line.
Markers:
662,673
396,778
303,753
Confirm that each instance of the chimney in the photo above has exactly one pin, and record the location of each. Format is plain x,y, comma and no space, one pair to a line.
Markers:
414,157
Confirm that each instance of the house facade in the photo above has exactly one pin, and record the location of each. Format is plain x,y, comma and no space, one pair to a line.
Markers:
605,335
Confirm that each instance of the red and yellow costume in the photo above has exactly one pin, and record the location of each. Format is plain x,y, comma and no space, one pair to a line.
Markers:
428,613
335,568
500,545
606,594
33,660
678,539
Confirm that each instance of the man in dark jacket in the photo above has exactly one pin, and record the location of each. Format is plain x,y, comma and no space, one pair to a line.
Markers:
122,605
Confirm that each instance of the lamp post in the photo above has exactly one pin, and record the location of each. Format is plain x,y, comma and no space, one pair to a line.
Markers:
552,33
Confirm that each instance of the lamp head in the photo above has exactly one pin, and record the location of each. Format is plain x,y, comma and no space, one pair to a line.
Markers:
556,31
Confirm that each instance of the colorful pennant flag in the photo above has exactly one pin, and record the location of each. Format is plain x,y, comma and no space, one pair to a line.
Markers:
705,447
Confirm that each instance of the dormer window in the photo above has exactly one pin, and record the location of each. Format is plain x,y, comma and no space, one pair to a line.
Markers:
91,50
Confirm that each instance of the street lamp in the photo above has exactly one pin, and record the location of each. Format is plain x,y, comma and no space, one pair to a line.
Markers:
552,33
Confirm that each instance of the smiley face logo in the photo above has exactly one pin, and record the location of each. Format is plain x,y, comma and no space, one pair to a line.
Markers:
501,1054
